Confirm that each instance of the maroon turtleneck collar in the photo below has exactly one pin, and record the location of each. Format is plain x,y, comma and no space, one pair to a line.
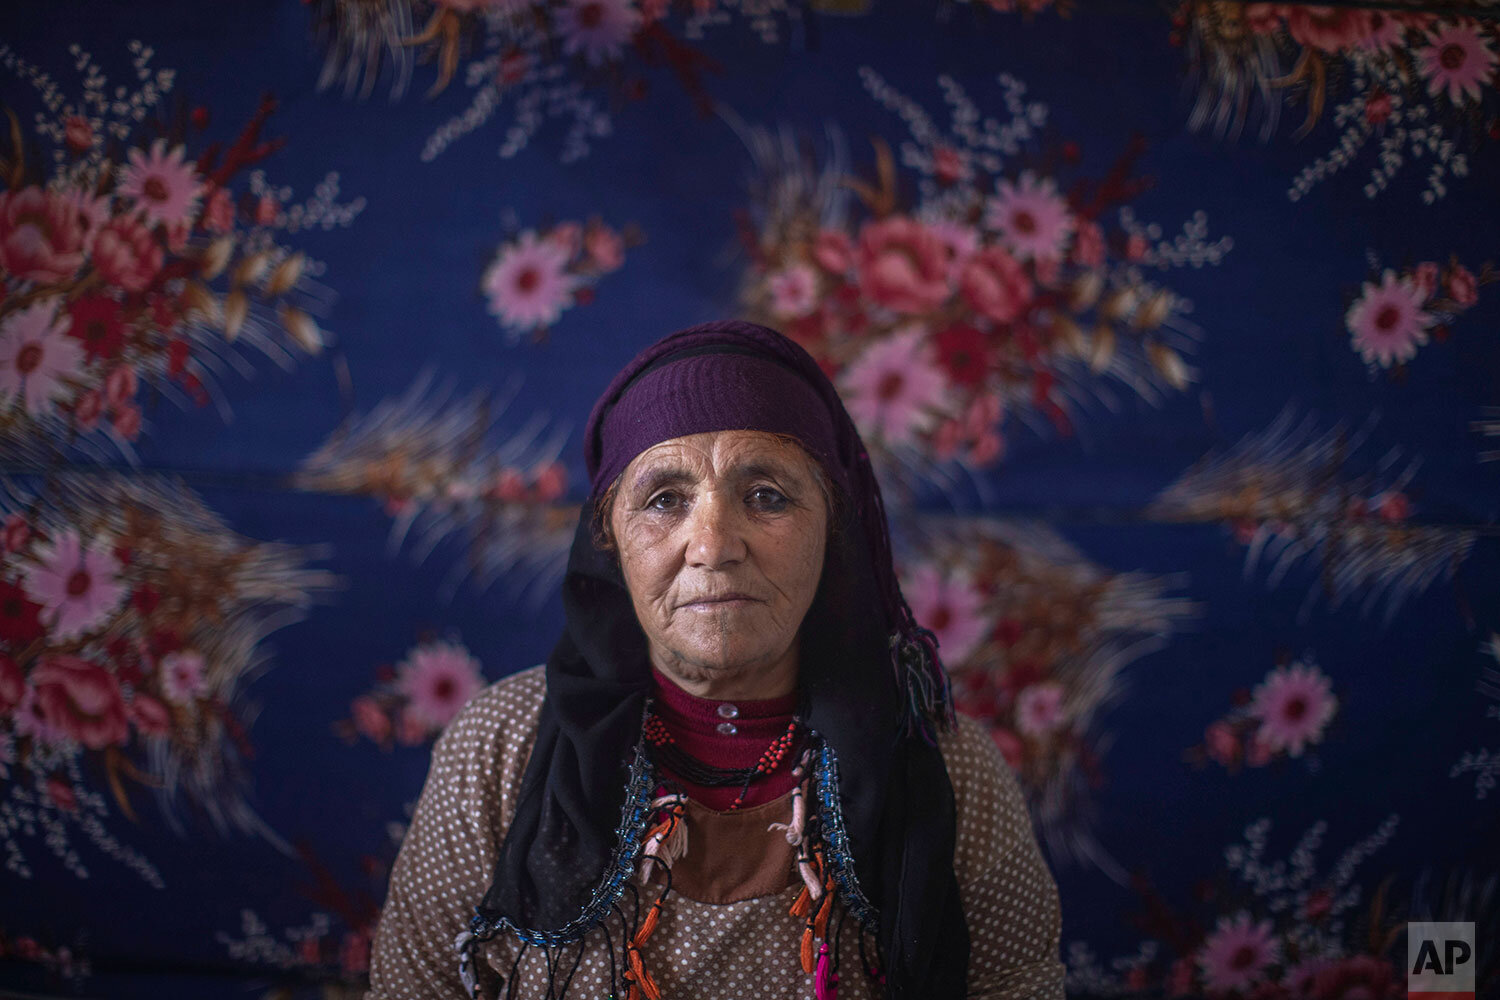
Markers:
726,734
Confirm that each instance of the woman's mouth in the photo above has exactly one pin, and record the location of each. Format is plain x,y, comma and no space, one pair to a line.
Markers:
720,603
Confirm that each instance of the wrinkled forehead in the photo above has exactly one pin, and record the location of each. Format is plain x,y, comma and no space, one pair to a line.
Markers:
720,456
701,393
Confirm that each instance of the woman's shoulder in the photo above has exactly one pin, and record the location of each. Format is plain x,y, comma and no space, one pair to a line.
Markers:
481,756
510,705
992,816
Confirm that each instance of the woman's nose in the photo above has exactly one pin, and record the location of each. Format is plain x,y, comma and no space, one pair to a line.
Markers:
716,535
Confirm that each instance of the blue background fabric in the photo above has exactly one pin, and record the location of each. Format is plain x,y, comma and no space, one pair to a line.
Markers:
202,796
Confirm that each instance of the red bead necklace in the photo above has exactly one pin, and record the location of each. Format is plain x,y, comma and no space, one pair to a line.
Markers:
696,771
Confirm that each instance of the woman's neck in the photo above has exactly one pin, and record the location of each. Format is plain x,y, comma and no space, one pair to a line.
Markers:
728,734
759,682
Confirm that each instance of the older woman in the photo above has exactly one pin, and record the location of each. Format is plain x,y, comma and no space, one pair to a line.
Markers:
738,773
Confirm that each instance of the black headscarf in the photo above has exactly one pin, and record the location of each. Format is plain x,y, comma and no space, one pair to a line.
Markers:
870,681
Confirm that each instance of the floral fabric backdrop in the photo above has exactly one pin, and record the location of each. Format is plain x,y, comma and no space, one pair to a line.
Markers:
1173,328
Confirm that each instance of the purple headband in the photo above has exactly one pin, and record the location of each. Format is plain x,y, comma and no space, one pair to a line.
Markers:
734,375
708,387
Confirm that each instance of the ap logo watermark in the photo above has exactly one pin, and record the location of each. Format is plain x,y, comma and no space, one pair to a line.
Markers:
1440,961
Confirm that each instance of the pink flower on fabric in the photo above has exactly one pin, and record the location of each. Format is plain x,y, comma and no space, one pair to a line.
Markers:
568,235
1263,18
127,422
605,248
150,716
78,134
949,165
267,210
597,28
126,254
1088,244
1378,107
1462,286
410,730
834,251
1383,32
1236,954
1223,745
893,388
82,700
903,265
1039,708
120,385
1424,279
961,240
90,211
165,189
218,212
1031,217
369,719
951,607
36,354
1293,704
437,679
29,720
1458,60
528,284
794,291
88,410
995,285
182,675
40,236
60,792
1387,322
78,586
1328,28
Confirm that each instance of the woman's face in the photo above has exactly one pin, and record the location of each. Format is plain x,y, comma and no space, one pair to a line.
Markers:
721,539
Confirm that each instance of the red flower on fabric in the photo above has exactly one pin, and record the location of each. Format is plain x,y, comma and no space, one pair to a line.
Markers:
82,700
903,265
834,251
126,255
150,716
964,355
20,620
15,533
60,791
97,323
1363,976
1328,28
994,285
41,239
120,385
78,134
88,410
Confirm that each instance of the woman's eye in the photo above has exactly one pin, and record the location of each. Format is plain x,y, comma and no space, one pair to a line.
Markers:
767,497
664,501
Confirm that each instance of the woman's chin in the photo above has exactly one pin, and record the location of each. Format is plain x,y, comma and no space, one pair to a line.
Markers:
717,665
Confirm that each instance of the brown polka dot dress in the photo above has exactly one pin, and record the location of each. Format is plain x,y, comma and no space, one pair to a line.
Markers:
703,948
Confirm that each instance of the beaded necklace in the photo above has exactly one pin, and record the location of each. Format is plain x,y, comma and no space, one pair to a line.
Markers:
699,773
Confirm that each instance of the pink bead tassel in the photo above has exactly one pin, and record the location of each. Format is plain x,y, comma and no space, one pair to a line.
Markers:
826,983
